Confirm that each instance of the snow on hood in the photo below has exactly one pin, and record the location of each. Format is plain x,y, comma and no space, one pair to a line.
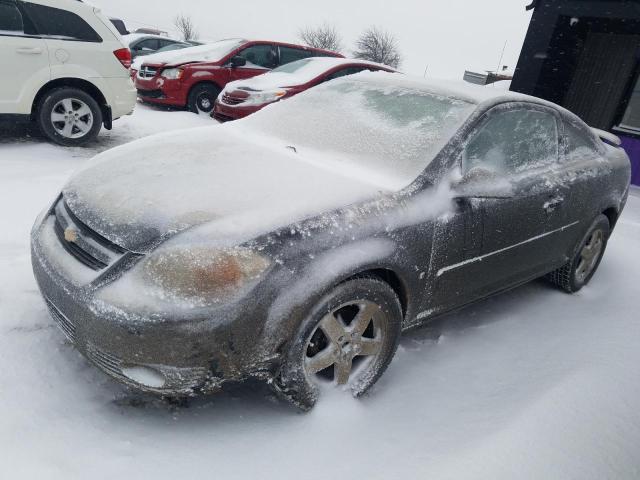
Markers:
297,73
142,193
203,53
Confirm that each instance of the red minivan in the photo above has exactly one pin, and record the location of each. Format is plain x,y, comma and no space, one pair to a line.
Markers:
194,77
244,97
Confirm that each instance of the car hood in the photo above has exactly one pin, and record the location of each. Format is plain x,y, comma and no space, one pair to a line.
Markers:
267,81
242,183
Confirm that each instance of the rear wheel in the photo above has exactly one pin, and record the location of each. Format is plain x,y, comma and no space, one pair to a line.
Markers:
580,270
69,117
202,98
347,341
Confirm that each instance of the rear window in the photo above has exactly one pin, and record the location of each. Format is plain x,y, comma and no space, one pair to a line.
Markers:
10,20
60,24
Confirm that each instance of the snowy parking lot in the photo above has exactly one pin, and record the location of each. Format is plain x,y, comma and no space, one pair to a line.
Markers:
533,384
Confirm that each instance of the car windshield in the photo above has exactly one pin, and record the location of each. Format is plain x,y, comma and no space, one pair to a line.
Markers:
384,132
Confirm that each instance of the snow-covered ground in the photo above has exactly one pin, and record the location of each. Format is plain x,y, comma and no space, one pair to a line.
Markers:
531,384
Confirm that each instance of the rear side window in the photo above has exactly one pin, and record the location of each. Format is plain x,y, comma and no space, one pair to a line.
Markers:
579,144
10,19
261,56
514,141
60,24
149,45
288,54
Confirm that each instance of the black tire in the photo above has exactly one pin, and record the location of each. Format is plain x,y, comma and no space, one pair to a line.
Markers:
51,105
569,277
301,388
202,98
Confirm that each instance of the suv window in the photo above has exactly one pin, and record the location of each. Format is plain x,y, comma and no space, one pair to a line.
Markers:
344,72
10,19
261,56
514,141
61,24
289,54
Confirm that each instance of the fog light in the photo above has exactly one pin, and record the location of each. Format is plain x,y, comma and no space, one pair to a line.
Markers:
145,376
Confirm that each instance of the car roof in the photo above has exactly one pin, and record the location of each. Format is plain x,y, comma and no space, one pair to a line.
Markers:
475,94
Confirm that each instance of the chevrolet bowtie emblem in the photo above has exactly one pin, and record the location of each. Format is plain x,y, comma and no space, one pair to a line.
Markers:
71,235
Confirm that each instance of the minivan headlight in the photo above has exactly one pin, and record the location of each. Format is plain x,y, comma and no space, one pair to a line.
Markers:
172,73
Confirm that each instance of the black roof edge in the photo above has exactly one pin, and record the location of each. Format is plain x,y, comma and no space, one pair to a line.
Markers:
532,5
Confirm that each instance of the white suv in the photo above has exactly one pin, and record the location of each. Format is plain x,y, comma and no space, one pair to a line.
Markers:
65,66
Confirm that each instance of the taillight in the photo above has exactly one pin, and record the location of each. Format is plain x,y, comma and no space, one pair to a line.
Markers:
124,55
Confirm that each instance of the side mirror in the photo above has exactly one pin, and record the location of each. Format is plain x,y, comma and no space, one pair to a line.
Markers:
482,183
238,62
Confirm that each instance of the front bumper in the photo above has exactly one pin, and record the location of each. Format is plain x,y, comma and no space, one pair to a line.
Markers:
161,91
194,354
225,113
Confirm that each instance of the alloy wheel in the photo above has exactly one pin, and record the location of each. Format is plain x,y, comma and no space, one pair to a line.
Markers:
72,118
590,255
346,342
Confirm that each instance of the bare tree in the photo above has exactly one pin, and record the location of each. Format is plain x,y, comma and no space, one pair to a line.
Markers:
323,36
377,45
186,27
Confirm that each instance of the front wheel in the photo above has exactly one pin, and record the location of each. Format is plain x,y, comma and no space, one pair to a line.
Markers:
69,117
202,98
578,272
347,341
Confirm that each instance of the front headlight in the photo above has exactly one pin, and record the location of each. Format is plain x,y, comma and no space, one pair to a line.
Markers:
172,73
203,272
184,277
259,98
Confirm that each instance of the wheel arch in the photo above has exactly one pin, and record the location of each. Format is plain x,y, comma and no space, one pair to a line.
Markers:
203,82
78,83
612,215
391,278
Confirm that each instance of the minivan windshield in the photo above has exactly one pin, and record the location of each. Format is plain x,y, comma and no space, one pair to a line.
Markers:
386,132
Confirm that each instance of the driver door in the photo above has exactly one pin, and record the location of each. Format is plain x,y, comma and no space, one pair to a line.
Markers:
520,146
260,59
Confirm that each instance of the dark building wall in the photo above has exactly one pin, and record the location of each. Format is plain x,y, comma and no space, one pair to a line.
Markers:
585,56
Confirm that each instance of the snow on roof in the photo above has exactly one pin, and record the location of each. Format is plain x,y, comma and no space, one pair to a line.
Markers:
202,53
134,37
299,73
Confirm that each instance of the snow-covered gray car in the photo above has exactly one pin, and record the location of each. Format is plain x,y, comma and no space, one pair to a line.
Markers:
295,246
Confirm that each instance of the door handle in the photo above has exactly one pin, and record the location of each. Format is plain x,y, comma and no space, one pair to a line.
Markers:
29,51
553,204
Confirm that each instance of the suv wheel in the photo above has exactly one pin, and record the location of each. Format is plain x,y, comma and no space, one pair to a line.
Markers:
202,98
69,117
580,270
347,341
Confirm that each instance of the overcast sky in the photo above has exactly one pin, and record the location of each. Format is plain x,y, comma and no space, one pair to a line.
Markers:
449,36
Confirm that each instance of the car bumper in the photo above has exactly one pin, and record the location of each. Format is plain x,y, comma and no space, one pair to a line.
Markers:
225,113
190,355
161,91
123,96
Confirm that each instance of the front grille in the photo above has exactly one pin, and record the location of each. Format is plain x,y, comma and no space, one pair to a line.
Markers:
147,72
150,93
82,243
229,100
68,328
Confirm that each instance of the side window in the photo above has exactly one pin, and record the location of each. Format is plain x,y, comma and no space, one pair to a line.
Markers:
148,45
513,141
10,19
288,54
260,56
60,24
344,72
579,143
